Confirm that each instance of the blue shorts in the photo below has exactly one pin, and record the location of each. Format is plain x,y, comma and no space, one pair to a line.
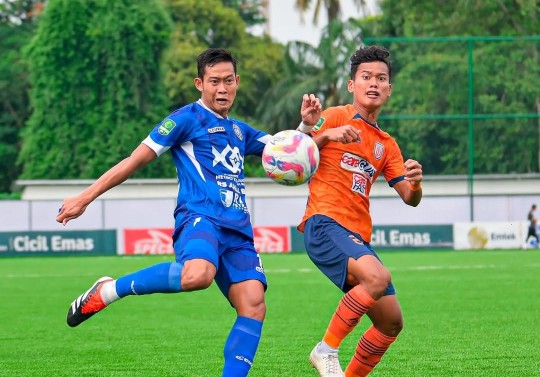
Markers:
232,252
329,246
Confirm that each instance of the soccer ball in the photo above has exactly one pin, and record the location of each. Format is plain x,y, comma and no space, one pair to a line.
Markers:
290,158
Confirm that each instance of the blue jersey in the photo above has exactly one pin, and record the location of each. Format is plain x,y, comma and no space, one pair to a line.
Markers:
208,152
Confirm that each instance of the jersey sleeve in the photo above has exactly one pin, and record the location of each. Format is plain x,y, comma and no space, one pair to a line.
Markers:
394,171
255,140
173,130
330,118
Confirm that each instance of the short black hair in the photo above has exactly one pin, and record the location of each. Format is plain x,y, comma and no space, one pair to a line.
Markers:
370,54
213,56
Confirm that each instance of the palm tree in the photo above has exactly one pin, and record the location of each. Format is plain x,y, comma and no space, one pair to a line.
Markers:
322,70
333,8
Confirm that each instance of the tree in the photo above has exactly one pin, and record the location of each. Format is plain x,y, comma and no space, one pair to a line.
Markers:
16,28
435,76
16,12
332,7
14,102
322,70
251,11
96,86
199,25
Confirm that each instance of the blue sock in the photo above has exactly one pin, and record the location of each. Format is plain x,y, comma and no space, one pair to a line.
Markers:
159,278
241,346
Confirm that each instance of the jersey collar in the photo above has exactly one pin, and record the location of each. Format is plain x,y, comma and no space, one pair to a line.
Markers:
358,116
201,103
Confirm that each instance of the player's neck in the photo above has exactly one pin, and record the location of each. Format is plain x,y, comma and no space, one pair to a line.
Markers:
370,115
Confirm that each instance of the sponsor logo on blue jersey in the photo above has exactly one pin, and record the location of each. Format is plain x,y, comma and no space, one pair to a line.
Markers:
213,130
166,127
229,157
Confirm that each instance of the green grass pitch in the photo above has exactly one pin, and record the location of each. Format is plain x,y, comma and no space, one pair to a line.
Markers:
466,314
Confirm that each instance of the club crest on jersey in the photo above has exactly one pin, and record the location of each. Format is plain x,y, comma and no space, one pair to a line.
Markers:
166,127
238,131
226,197
378,150
319,124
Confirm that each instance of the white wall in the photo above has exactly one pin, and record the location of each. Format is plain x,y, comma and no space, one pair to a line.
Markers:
150,203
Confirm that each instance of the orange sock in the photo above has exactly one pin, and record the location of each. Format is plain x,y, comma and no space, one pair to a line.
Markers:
369,352
347,315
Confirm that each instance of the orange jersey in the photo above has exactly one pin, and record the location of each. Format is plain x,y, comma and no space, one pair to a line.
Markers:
340,187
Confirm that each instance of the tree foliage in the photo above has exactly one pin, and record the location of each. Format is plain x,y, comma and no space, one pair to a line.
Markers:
199,25
14,102
251,11
96,86
322,70
433,79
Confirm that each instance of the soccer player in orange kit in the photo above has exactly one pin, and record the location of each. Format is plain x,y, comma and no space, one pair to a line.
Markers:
337,223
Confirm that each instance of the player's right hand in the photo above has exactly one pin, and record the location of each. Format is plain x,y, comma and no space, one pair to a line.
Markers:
311,109
344,134
71,208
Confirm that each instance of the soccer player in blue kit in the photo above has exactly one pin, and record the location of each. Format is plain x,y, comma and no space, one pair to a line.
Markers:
213,235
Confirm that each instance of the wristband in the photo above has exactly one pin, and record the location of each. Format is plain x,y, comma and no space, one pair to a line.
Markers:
415,187
304,128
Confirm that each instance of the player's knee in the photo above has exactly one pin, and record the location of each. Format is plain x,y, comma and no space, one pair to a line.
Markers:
395,327
377,282
193,281
256,311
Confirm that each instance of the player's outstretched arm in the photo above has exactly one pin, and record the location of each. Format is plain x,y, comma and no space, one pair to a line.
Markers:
75,206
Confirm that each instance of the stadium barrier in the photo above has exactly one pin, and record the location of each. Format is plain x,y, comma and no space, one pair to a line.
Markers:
90,242
268,239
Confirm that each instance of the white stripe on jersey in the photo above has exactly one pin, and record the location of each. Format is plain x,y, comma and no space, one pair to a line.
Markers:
159,149
265,139
187,147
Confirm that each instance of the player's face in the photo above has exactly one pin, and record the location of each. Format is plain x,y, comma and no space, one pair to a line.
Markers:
218,87
371,86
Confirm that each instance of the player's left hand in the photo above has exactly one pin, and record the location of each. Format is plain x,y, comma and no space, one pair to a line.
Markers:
311,109
413,171
71,208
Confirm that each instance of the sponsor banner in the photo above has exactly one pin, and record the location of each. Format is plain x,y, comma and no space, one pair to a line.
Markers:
148,241
272,239
412,236
297,241
493,235
268,239
58,243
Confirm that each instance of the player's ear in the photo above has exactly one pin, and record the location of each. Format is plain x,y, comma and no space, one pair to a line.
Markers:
198,83
389,90
237,80
350,86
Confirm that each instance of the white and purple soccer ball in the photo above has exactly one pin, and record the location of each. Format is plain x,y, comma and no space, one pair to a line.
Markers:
290,158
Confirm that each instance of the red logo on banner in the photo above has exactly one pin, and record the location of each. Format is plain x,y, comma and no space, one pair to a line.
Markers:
148,241
272,239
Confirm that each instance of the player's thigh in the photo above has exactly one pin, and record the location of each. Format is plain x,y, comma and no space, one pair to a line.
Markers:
240,267
386,315
247,297
331,247
198,240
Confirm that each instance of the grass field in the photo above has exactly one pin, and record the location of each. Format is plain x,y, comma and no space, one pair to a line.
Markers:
466,314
